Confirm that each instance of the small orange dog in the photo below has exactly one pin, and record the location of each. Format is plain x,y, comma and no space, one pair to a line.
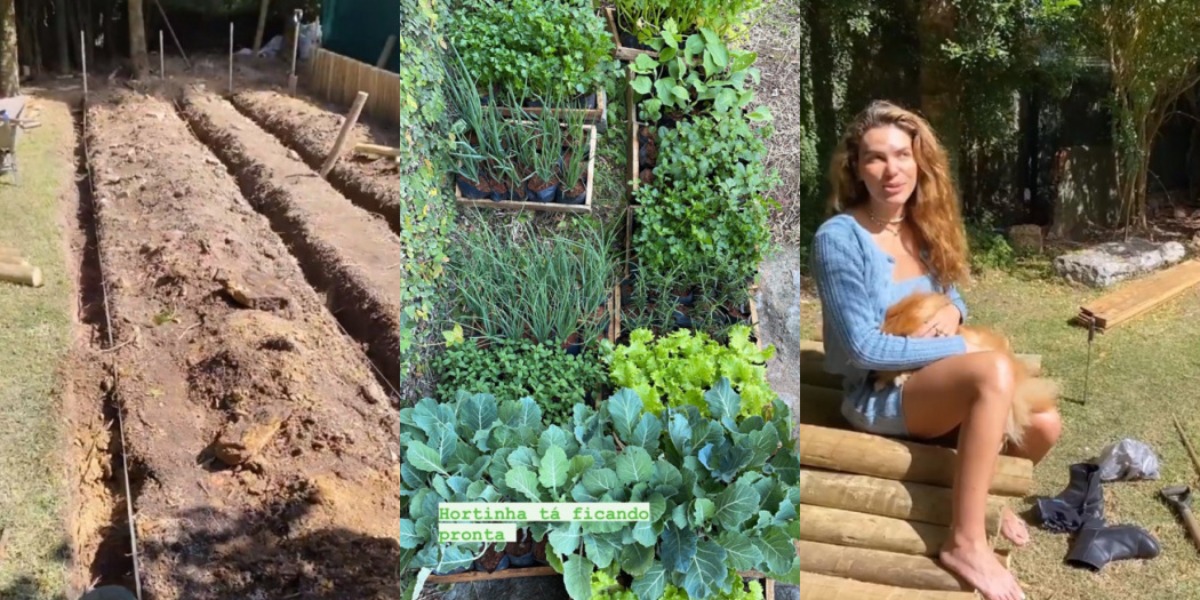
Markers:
1034,394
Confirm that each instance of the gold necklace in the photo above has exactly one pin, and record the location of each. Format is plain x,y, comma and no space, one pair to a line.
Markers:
886,225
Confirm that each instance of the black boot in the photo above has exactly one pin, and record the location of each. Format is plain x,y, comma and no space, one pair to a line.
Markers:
1097,545
1081,501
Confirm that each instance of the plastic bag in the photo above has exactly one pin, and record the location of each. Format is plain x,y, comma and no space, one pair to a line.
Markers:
1126,460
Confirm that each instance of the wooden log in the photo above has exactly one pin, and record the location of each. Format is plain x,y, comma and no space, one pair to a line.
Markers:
376,149
13,260
824,587
878,456
485,576
21,274
880,567
387,51
887,498
821,406
344,133
860,530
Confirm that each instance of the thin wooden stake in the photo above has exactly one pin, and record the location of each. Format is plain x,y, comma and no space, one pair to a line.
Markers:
83,61
295,50
173,36
162,62
351,121
231,57
387,51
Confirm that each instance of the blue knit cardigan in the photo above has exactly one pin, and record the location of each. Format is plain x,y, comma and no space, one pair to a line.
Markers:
853,276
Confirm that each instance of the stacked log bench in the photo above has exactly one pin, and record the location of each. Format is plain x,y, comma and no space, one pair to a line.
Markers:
874,510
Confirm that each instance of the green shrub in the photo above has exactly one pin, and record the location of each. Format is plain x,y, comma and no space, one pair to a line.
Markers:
989,249
705,210
513,369
553,49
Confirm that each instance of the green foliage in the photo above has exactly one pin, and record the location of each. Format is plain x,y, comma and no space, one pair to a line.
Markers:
695,75
705,210
676,370
426,219
513,284
605,587
989,249
647,18
722,494
555,49
513,369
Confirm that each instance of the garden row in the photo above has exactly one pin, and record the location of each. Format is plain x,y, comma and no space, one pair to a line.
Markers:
543,395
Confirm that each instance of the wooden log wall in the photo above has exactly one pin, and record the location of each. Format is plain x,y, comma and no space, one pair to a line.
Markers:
338,79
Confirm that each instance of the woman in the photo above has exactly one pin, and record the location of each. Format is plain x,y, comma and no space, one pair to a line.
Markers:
898,229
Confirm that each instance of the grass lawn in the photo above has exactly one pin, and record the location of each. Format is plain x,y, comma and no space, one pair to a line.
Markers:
35,329
1142,373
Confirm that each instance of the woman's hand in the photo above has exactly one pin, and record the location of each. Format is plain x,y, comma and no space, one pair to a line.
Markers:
943,324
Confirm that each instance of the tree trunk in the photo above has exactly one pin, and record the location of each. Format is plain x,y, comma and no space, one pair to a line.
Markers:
137,40
64,38
10,69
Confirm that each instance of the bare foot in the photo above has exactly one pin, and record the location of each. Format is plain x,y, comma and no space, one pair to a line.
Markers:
980,568
1013,528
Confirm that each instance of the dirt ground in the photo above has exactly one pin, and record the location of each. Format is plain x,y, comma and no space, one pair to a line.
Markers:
351,255
370,181
262,447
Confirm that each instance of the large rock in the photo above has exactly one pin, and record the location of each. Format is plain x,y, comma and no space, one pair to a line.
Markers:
778,305
1109,263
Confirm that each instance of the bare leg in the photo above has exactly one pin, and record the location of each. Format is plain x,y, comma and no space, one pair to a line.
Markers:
973,391
1044,430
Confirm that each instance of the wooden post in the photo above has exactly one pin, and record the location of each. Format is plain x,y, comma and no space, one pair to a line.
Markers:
295,50
83,61
162,61
347,126
387,50
231,57
878,456
22,274
262,26
173,36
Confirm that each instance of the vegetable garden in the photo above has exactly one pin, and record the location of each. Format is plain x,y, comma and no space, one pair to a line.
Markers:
601,340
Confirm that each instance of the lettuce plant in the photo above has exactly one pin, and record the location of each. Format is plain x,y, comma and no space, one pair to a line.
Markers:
676,369
722,492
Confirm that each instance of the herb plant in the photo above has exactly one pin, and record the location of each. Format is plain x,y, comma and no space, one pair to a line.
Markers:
646,17
514,369
693,76
551,49
706,209
675,370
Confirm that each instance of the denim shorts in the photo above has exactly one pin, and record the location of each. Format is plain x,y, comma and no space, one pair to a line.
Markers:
875,411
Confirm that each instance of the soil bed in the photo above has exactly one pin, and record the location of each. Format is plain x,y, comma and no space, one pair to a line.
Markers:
347,254
310,509
371,182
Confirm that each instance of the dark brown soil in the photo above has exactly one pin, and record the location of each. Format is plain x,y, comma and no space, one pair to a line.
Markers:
311,512
372,182
346,253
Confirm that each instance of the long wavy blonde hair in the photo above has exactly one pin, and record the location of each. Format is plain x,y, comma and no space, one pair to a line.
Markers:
934,206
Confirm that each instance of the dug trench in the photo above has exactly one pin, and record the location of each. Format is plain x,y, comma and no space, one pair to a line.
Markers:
345,252
372,182
264,449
